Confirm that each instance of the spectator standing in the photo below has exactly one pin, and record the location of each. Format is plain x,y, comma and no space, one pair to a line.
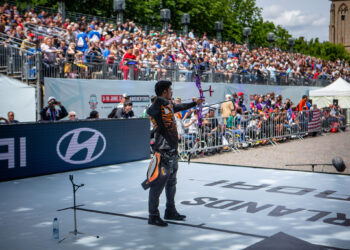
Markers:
127,58
302,103
94,35
240,102
124,99
28,43
51,113
191,35
49,55
82,39
226,108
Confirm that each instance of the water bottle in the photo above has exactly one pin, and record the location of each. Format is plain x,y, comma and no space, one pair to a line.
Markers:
55,230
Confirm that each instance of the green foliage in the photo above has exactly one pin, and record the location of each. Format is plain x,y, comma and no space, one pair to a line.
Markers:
325,50
235,14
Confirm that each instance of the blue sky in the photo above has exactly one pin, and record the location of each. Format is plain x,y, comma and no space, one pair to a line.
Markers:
308,18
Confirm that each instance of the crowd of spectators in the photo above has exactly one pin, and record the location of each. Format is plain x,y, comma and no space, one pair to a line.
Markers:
76,46
265,117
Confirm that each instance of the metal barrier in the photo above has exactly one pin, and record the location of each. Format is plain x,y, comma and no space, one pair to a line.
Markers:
5,38
174,72
42,31
334,120
241,131
207,139
19,63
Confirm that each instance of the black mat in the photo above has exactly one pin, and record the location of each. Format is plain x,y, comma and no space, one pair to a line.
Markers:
282,241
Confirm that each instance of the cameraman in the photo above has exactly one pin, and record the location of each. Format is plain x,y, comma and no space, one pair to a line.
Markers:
240,102
51,112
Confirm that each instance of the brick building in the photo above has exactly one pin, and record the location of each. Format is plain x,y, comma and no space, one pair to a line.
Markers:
339,28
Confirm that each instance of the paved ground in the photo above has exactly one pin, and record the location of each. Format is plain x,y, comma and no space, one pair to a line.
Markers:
224,210
319,149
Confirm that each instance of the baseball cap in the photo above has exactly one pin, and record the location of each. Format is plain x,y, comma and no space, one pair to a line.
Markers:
51,98
31,35
240,93
125,95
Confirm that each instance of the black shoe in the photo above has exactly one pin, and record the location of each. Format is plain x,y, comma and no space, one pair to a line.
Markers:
157,221
173,215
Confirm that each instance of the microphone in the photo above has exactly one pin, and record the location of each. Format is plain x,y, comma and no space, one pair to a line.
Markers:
339,164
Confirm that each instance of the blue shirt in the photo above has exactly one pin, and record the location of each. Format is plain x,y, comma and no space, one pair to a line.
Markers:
106,53
32,52
93,33
82,36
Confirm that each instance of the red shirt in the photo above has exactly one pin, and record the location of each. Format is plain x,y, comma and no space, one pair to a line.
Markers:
128,56
125,57
302,104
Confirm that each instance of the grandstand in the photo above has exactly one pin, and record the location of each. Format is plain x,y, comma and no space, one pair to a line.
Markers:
97,67
158,55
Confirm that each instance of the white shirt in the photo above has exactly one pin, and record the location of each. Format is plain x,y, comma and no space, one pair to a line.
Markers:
193,128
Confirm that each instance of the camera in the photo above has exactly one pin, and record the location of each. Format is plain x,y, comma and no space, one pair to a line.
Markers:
240,100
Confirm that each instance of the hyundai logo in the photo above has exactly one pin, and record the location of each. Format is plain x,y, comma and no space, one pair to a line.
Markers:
81,145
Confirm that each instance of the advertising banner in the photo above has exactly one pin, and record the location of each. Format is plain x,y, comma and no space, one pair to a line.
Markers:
85,95
43,148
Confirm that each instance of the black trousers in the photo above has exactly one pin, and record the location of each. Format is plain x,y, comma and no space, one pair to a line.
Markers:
169,163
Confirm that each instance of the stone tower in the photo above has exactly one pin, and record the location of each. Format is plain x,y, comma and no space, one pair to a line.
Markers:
339,28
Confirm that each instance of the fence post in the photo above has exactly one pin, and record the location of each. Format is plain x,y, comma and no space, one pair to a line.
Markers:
26,72
38,85
10,66
177,74
104,70
211,76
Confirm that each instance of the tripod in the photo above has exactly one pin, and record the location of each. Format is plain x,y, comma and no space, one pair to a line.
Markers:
75,232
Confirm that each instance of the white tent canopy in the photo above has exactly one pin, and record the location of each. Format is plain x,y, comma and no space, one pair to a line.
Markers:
340,90
17,97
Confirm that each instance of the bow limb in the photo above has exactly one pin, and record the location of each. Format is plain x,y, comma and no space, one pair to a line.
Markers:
198,84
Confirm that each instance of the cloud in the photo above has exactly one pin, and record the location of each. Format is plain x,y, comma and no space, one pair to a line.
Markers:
298,22
272,11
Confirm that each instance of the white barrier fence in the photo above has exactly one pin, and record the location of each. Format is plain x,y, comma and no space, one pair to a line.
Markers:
240,131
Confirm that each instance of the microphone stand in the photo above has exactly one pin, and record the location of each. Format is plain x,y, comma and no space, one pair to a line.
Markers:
311,164
337,163
75,232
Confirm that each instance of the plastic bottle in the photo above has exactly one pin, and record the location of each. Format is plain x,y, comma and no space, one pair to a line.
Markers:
55,229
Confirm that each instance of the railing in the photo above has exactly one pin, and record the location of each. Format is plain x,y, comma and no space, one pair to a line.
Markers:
14,40
19,63
43,31
217,133
175,72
